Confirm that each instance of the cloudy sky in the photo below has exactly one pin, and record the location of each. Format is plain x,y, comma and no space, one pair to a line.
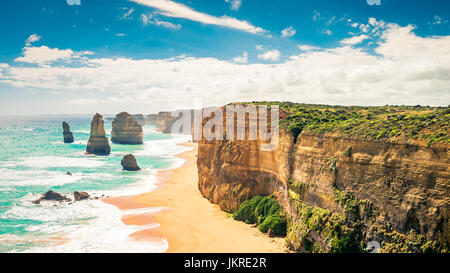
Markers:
143,56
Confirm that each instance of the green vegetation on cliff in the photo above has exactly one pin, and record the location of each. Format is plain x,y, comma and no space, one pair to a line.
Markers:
263,211
430,124
319,230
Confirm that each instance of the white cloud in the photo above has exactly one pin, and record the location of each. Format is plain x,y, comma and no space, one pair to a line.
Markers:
259,47
354,40
241,59
364,28
151,19
288,32
328,32
33,38
437,20
235,4
44,55
308,48
127,14
172,9
271,55
121,35
316,15
407,70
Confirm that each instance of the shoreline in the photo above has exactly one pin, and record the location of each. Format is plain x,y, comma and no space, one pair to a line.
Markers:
188,221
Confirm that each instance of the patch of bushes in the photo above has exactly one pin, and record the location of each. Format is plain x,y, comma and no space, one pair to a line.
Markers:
348,152
263,211
431,124
275,222
314,223
246,211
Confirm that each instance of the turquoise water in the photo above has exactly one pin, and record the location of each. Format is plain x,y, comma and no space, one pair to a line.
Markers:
34,159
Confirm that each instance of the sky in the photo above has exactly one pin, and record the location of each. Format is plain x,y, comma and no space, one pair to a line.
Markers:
145,56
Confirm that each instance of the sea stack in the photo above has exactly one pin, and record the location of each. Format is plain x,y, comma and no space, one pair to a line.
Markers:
98,142
67,134
126,130
129,163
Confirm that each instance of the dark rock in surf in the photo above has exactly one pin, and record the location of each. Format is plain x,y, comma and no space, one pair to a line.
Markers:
80,195
129,163
52,196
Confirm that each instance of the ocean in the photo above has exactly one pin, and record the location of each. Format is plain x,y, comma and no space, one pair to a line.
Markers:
34,159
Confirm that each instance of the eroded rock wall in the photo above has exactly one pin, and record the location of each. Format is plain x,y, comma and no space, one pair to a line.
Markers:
409,184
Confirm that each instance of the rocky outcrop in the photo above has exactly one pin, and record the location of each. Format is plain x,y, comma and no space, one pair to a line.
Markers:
80,195
67,134
98,142
125,130
165,120
404,186
141,119
52,196
129,163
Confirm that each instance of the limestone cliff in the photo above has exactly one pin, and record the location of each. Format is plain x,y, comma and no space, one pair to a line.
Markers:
386,186
67,134
126,130
98,142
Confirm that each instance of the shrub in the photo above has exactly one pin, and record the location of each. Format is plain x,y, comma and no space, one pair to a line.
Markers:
266,207
246,211
265,211
275,222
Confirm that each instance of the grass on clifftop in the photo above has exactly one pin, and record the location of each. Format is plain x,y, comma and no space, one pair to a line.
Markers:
430,124
264,211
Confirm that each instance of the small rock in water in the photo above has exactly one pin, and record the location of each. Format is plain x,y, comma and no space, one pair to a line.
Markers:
80,195
129,163
52,196
69,173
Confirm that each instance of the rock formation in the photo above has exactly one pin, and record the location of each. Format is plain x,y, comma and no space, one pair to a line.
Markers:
67,134
165,120
52,196
129,163
80,195
98,142
392,187
125,130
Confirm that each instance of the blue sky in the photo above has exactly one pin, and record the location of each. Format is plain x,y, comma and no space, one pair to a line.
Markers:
151,55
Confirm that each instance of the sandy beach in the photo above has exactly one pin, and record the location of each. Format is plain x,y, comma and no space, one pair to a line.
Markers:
189,222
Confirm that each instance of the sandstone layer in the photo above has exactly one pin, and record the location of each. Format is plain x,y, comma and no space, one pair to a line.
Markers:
126,130
98,142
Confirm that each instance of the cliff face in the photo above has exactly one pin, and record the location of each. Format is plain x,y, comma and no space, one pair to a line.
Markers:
125,130
406,186
98,142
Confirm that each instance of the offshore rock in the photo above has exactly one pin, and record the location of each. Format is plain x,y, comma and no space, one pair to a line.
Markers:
98,142
67,134
129,163
80,195
126,130
52,196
